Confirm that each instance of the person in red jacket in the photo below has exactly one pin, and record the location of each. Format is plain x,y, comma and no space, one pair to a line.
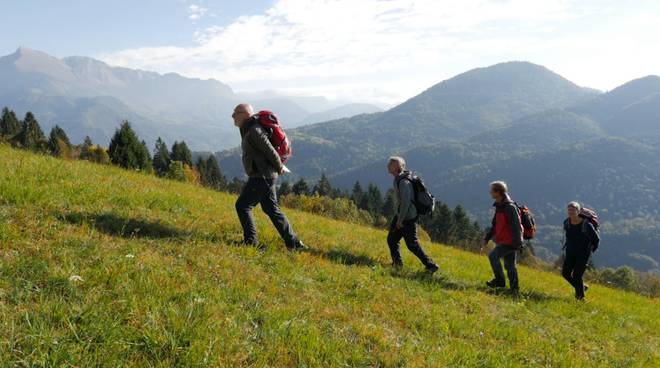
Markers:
506,231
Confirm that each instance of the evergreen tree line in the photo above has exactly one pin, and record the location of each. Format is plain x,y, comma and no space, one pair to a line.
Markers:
445,225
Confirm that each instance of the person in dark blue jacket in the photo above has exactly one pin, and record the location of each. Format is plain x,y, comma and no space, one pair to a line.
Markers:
582,239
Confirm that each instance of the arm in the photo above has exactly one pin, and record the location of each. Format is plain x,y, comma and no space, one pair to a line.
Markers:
516,227
405,199
261,142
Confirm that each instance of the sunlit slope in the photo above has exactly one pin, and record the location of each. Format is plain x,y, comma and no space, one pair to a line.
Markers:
162,282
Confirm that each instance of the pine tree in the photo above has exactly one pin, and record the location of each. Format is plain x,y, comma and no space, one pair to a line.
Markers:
439,225
462,226
372,201
284,189
31,136
323,187
161,161
127,151
86,148
59,143
357,194
200,165
145,158
300,187
390,205
9,124
212,176
181,152
176,171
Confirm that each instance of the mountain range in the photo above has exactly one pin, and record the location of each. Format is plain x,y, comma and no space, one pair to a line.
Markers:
552,140
88,97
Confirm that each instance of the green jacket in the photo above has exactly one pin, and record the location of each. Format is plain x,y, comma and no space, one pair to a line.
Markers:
260,159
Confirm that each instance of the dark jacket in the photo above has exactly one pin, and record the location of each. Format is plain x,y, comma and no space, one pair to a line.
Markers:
506,227
260,159
588,238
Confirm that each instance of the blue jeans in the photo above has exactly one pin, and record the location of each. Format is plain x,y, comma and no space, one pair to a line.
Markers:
508,253
262,191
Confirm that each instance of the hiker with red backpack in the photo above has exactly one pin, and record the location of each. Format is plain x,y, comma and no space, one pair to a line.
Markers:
507,232
581,240
413,200
265,149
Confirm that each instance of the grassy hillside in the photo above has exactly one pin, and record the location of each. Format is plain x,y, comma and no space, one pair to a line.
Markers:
103,267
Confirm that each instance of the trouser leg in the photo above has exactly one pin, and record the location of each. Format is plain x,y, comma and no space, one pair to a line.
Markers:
510,266
567,267
393,241
249,197
271,208
412,242
496,264
581,262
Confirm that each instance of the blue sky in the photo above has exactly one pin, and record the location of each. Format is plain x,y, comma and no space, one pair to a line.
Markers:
358,50
89,27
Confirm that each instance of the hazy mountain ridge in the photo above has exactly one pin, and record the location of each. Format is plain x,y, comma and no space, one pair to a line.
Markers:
167,105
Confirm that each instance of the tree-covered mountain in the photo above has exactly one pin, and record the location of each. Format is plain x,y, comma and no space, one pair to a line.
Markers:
458,108
497,123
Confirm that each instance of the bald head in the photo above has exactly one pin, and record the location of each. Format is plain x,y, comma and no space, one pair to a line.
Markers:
242,113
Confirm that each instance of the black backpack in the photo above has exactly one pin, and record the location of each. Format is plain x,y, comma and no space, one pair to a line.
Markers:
423,200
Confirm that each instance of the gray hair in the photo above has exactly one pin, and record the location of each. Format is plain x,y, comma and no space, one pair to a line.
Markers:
500,187
399,160
575,205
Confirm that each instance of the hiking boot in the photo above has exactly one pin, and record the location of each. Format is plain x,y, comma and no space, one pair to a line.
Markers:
496,283
433,268
297,246
514,291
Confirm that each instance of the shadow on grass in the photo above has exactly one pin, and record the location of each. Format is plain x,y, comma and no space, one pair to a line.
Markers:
126,227
530,295
343,257
431,279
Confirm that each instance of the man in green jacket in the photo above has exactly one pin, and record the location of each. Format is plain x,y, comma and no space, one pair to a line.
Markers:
262,165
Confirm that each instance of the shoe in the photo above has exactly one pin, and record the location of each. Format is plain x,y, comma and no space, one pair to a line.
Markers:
397,266
432,268
297,246
586,287
514,291
496,283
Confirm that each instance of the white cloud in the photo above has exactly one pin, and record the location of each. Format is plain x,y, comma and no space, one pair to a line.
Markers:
364,49
196,12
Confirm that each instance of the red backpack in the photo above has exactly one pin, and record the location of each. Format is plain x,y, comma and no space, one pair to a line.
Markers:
591,216
276,135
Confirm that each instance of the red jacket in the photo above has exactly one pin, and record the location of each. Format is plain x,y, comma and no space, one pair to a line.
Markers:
506,227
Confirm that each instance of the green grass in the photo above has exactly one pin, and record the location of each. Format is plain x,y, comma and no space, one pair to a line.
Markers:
164,284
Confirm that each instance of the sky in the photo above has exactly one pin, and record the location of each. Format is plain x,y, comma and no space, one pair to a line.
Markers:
379,51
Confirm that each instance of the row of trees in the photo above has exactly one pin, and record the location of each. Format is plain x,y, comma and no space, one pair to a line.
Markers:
125,150
445,225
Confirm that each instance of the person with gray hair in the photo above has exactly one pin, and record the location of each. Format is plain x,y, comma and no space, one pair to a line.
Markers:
404,224
581,239
262,165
